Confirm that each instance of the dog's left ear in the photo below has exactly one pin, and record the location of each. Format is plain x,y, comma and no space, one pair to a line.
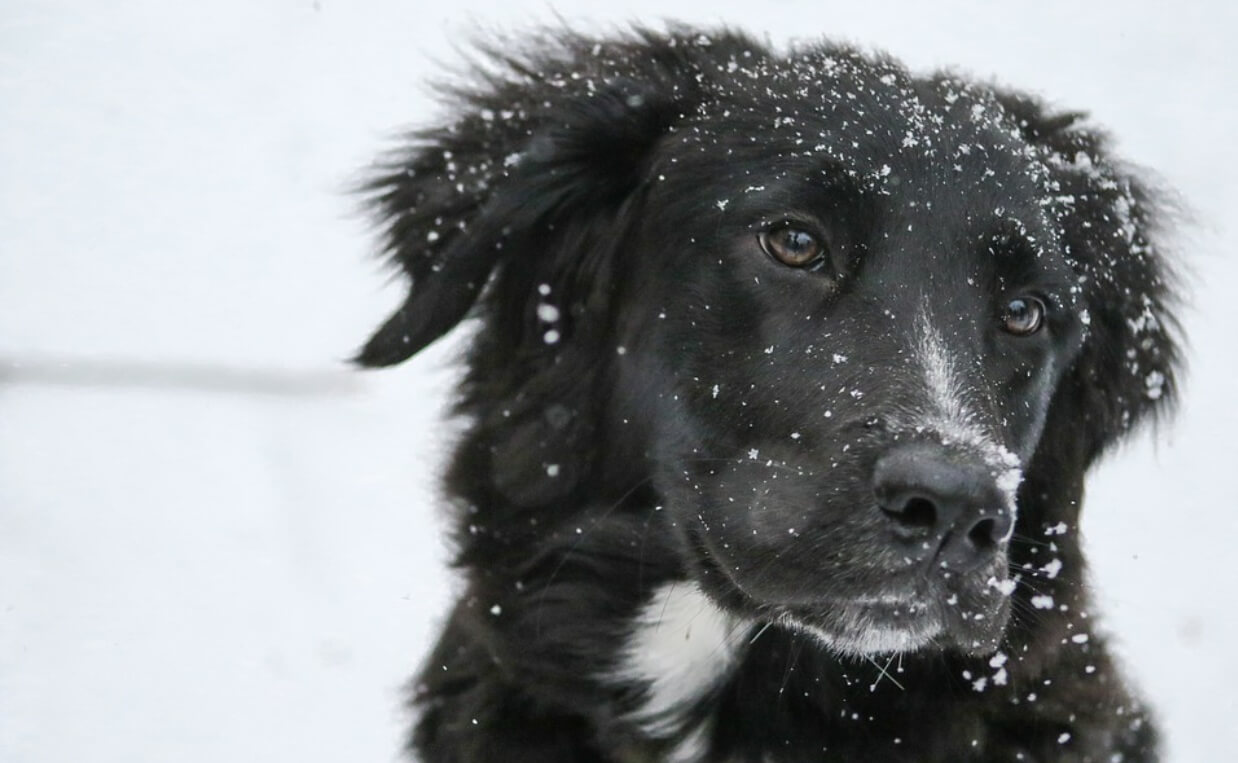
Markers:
1110,224
523,162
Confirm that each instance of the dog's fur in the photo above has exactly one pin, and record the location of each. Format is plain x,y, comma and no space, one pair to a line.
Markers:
665,491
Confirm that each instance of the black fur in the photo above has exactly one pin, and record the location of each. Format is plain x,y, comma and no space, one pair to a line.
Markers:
666,421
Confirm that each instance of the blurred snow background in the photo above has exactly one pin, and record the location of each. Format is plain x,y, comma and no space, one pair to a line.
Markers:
218,543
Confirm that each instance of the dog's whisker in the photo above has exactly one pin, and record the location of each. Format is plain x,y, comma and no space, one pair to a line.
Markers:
882,671
760,632
666,600
1023,540
793,656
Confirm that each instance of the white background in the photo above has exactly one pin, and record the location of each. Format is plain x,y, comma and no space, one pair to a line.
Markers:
217,543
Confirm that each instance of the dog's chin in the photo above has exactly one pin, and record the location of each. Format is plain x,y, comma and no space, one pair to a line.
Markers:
870,626
968,617
863,627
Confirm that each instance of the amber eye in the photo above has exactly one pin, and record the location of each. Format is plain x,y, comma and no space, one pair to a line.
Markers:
1024,316
793,246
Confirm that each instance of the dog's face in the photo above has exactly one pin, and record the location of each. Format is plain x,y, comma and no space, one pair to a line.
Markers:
840,317
858,342
859,346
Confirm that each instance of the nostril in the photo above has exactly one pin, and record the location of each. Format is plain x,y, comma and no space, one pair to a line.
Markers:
914,514
919,513
983,534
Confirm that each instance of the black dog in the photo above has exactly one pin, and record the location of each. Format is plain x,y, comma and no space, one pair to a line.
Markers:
787,374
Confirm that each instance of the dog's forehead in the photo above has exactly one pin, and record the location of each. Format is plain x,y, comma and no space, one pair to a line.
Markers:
874,120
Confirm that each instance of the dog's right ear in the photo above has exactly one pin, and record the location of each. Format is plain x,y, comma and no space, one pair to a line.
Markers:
1111,224
537,145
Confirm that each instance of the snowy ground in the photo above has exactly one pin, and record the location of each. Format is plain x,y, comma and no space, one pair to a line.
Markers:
218,544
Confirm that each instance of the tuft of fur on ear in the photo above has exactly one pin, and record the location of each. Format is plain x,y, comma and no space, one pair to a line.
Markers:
1110,221
540,140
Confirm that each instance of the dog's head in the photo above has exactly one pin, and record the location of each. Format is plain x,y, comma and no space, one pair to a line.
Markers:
858,329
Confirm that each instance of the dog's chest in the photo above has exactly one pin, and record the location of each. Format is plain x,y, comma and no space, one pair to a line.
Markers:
681,647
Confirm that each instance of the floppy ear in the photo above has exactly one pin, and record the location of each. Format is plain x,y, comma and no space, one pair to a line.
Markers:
521,210
1109,224
537,144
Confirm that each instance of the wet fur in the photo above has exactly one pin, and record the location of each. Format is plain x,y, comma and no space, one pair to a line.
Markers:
599,176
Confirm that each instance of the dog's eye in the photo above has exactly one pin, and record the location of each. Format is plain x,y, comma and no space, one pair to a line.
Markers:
1023,316
793,246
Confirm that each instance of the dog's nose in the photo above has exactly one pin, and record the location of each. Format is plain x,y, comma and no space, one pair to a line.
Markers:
942,506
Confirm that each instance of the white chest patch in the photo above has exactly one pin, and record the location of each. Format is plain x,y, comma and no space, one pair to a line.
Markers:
681,646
